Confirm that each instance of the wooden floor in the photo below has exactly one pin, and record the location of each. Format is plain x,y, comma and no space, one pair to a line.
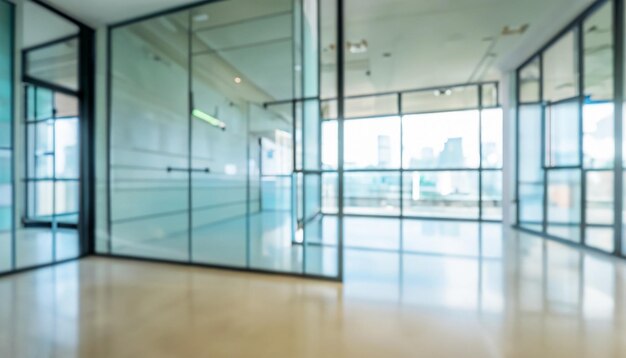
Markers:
549,301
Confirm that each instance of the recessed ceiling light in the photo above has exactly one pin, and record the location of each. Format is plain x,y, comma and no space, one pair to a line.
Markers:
200,17
514,30
357,47
237,80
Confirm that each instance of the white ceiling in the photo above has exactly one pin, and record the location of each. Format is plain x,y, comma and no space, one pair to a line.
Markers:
101,12
56,27
429,43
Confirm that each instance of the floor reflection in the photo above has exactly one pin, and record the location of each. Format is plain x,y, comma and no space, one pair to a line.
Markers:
411,288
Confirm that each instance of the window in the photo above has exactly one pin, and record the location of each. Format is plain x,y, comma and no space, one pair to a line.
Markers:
444,140
52,156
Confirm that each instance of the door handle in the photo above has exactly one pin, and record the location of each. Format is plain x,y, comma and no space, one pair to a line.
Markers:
200,170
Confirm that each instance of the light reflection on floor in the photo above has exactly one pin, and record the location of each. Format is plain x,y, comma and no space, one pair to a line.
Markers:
493,291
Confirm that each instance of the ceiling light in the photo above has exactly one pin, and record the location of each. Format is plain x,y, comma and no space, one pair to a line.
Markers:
237,80
201,17
442,92
357,47
209,119
513,30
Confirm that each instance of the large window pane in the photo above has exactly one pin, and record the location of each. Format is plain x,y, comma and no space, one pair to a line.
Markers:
599,197
149,133
371,106
560,69
441,194
563,134
528,81
489,95
530,189
492,195
372,193
564,200
372,143
57,64
598,135
598,54
491,138
444,140
330,193
330,150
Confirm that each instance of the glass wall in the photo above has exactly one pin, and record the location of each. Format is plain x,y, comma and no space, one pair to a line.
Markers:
49,143
566,136
6,136
433,153
40,138
215,139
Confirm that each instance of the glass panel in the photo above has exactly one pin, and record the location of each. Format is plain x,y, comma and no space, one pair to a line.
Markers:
65,105
312,196
328,56
6,207
372,193
329,109
66,201
564,191
560,69
6,134
451,194
598,134
599,197
491,138
446,140
598,54
321,246
310,54
149,133
371,106
444,99
492,195
34,246
330,193
56,64
312,135
6,74
44,103
40,148
489,94
562,134
529,82
372,143
330,145
531,174
600,238
66,145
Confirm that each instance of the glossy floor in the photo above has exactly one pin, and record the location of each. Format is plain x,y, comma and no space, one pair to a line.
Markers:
511,295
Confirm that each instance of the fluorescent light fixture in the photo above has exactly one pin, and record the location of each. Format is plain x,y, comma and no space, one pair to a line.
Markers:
200,17
209,119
